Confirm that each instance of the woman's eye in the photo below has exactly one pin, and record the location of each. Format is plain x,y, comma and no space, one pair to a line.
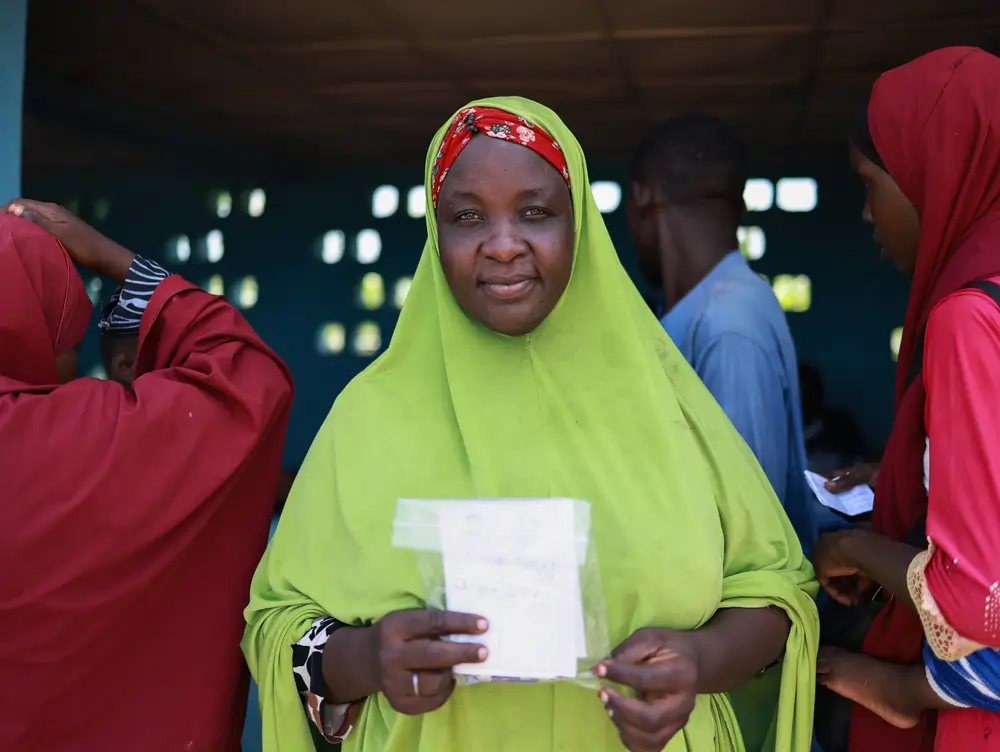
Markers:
467,216
535,211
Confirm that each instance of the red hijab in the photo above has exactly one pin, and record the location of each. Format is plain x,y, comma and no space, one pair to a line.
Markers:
935,123
44,309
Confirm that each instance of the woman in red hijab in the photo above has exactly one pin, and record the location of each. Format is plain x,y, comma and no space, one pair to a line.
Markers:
929,154
131,520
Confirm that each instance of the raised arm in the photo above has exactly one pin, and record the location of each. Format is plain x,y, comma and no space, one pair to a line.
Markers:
208,398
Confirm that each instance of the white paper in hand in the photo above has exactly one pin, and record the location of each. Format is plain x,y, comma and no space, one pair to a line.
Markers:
514,562
856,501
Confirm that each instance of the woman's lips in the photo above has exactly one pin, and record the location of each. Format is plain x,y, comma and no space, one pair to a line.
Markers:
508,290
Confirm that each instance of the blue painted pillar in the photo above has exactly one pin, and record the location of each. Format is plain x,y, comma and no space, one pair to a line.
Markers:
13,29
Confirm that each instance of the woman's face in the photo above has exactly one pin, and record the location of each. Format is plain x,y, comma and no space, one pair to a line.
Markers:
897,224
505,227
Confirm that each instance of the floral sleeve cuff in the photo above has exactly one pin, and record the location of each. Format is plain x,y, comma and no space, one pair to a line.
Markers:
946,643
122,313
334,722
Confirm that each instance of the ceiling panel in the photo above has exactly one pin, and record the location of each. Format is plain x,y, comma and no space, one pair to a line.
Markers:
447,20
759,55
687,17
259,23
331,68
876,52
901,13
527,60
338,82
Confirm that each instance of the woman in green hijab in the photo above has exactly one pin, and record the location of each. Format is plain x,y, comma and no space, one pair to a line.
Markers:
526,364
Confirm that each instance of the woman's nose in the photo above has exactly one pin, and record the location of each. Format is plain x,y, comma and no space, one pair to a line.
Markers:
504,245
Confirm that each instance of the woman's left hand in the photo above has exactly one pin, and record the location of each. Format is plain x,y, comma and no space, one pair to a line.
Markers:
836,570
661,665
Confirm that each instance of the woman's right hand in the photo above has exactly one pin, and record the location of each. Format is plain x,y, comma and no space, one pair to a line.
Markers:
414,665
85,245
844,480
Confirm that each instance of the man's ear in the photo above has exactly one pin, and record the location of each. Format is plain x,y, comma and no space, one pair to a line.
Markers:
123,365
642,194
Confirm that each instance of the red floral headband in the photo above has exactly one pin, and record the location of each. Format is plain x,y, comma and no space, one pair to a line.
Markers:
496,124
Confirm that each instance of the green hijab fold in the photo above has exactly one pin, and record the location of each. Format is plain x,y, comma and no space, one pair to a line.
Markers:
595,404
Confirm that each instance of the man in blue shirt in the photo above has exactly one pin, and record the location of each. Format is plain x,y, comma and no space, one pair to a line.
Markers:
684,205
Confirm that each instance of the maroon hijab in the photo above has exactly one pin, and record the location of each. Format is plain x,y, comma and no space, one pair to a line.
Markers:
44,309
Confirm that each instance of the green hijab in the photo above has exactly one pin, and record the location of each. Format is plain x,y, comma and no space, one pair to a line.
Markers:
596,404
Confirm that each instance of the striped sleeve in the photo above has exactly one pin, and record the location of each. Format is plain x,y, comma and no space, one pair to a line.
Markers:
122,314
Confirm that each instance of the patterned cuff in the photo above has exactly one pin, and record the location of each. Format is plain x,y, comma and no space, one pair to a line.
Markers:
334,722
122,313
946,643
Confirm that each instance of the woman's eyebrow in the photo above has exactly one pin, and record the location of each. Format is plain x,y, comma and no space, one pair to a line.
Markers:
467,195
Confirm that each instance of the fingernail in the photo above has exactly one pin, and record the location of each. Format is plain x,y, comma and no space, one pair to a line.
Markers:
604,696
482,654
482,625
601,670
16,209
611,713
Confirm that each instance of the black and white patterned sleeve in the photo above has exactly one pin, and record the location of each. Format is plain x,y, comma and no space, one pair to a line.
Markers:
122,314
334,722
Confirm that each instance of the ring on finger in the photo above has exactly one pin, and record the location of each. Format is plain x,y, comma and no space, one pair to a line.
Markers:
416,684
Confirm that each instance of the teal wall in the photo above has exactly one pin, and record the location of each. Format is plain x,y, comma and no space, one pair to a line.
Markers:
13,20
856,299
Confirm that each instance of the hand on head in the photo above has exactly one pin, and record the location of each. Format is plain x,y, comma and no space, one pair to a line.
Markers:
85,245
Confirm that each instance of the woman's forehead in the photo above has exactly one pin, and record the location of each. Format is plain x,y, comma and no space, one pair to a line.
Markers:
489,163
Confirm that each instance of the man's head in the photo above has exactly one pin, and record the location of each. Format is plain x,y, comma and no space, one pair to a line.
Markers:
118,353
685,193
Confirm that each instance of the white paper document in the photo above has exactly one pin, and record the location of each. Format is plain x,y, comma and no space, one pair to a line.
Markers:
859,500
515,563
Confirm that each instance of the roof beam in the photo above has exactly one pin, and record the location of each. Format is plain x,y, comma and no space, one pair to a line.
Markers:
648,33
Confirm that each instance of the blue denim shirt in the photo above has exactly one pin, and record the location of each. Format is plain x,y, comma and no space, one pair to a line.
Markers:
732,330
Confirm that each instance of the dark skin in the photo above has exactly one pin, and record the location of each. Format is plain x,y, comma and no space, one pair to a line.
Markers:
505,226
666,669
85,246
893,217
505,217
851,477
677,245
363,661
119,356
850,561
